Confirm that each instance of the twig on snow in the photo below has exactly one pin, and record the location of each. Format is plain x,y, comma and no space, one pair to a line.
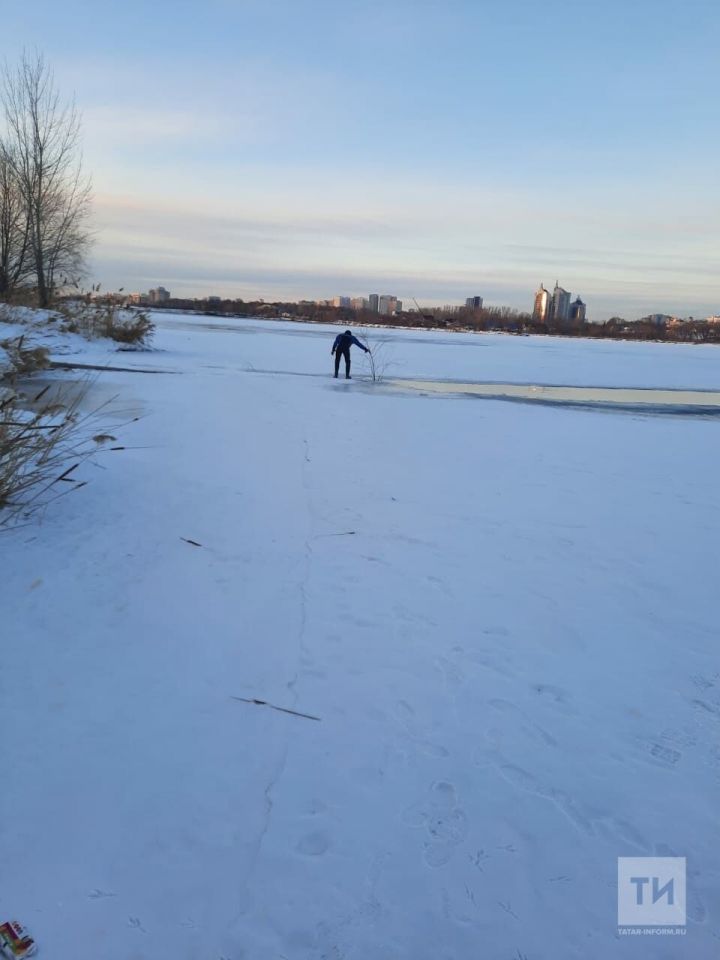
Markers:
264,703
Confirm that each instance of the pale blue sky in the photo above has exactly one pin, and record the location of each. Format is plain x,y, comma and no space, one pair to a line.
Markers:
303,148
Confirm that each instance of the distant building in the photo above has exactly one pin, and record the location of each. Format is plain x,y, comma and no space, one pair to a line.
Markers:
559,304
542,305
359,303
578,310
373,302
159,295
474,303
656,319
388,305
341,301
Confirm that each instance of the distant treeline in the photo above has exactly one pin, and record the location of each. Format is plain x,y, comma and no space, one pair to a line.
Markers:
501,319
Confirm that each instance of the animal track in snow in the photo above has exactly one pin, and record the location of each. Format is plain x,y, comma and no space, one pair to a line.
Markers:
404,711
478,858
508,909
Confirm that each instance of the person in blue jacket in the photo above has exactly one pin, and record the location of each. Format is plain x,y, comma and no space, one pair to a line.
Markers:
341,348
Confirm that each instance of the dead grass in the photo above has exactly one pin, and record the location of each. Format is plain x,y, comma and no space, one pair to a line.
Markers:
108,320
41,446
23,359
45,437
23,297
137,330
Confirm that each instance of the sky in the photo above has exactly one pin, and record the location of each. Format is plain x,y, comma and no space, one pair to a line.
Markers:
435,149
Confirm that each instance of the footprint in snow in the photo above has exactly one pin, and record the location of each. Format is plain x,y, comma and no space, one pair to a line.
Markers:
696,909
445,822
406,716
451,671
527,781
314,844
557,695
526,725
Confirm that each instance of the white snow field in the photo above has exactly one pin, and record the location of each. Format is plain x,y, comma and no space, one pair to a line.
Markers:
499,618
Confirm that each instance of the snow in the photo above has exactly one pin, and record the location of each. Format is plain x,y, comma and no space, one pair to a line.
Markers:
45,328
502,614
490,357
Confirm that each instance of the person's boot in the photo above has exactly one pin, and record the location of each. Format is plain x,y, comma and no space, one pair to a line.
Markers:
335,375
348,377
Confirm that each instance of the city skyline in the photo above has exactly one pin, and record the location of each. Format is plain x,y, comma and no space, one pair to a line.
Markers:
235,149
547,306
558,305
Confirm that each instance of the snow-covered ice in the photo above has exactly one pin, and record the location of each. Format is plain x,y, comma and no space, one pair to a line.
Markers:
503,615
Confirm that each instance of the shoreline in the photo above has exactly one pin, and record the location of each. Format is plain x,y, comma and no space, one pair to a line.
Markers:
428,329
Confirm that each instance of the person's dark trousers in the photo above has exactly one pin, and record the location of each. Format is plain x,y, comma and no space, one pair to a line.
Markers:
345,353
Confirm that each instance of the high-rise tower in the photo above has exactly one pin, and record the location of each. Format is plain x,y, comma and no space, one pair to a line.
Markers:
542,303
578,310
559,304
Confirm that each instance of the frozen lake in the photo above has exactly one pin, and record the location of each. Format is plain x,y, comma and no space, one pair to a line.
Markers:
419,354
494,625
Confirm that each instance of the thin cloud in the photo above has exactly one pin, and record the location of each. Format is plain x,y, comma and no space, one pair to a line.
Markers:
140,124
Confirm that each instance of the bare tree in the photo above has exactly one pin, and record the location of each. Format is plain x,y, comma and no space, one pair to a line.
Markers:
14,229
42,150
379,358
